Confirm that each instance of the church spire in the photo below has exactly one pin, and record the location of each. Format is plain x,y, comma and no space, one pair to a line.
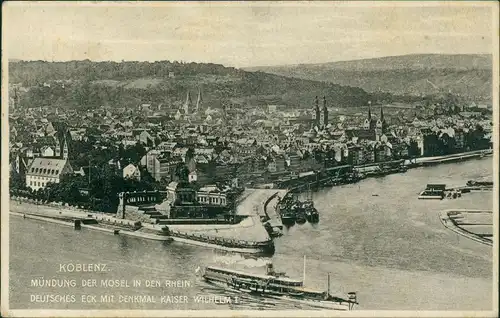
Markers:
65,152
199,100
317,112
325,112
369,110
187,103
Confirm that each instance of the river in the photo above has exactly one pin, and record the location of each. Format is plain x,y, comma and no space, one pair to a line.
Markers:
374,237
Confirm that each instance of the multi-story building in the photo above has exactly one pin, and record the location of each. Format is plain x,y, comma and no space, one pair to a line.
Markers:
160,165
46,170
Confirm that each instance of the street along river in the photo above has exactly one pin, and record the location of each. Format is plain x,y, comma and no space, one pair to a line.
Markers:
374,237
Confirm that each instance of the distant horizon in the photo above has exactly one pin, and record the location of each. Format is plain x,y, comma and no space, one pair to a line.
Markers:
245,35
253,66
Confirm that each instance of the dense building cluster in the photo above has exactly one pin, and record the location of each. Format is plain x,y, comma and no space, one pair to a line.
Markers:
234,142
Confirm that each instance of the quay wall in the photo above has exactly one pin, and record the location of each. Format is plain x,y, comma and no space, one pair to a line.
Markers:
47,211
23,205
248,230
301,183
41,218
117,222
456,156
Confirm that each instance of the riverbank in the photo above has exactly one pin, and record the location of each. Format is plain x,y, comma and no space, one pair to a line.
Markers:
321,179
448,158
248,236
88,221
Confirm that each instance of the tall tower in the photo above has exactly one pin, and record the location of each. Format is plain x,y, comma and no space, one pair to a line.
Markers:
199,100
369,110
368,121
317,113
187,103
325,113
65,152
57,151
321,117
381,124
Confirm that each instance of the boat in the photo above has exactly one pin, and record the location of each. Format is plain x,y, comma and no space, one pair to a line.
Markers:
474,183
308,210
298,211
272,231
301,219
288,219
278,286
433,192
312,214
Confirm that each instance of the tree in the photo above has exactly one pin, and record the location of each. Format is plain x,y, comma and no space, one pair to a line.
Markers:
134,153
16,181
182,172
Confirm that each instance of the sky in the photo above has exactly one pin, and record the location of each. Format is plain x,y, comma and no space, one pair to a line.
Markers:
244,34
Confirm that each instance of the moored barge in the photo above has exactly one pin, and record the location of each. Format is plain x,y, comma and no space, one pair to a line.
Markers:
312,214
433,192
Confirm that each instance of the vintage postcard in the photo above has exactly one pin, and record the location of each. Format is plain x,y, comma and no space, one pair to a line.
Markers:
223,159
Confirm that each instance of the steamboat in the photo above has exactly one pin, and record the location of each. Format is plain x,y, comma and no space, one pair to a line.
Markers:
277,285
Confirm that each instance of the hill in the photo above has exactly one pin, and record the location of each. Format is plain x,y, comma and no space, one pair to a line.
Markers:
465,75
90,84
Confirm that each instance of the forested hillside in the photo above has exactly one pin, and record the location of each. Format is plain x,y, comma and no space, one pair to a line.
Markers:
90,84
465,75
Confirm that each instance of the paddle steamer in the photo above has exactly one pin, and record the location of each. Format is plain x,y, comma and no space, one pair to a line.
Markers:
279,286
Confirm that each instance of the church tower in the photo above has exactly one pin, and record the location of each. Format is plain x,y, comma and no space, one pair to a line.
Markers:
368,121
57,151
325,113
317,113
381,124
65,152
187,103
199,101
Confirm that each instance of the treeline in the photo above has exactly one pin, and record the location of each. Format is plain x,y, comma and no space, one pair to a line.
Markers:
84,89
443,99
31,73
97,193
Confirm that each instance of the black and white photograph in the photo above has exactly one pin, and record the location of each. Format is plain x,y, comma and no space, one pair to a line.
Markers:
222,159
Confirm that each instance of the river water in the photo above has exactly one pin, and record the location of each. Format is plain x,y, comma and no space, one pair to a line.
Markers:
374,237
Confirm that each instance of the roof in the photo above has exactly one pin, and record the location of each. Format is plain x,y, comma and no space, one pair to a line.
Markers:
361,133
130,165
47,167
436,186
